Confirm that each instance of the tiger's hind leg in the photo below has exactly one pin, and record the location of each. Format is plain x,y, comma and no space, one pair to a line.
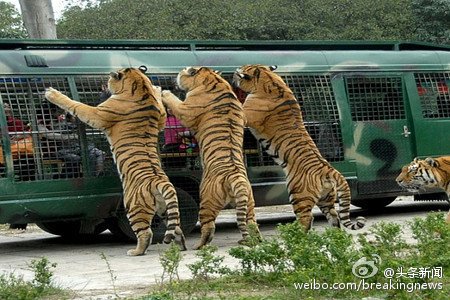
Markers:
326,205
167,205
144,238
252,225
140,219
207,217
303,206
241,217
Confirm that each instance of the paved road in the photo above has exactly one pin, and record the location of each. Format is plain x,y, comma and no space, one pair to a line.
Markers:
80,266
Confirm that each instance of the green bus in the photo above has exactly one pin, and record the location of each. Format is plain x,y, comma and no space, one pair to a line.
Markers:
371,107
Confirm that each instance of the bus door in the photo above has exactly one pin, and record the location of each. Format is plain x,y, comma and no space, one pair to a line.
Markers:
383,140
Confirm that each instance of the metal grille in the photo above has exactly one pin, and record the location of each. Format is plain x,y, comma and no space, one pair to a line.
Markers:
62,157
25,96
375,98
97,150
178,147
433,90
320,112
15,93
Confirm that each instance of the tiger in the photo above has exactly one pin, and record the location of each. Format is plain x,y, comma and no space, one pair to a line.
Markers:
274,117
213,113
131,119
427,173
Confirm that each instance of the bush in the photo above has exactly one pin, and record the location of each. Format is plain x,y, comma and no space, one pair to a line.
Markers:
208,265
14,287
281,267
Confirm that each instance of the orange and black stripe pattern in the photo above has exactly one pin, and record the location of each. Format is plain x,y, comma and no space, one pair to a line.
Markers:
427,173
212,111
131,119
274,117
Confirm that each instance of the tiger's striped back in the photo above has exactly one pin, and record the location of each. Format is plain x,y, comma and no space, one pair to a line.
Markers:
131,119
274,116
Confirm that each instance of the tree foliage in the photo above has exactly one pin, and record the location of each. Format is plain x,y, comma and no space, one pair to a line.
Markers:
421,20
237,19
433,20
10,22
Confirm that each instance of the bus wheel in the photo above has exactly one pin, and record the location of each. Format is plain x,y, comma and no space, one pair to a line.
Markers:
73,228
120,226
373,203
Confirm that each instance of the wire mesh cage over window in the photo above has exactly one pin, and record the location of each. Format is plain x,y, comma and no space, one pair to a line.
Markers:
375,98
60,146
433,90
320,112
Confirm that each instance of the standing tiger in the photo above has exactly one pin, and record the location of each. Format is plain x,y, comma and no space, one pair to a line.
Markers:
274,117
212,111
427,173
131,119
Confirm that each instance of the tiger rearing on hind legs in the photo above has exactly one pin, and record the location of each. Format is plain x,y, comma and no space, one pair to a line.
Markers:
212,111
274,117
131,119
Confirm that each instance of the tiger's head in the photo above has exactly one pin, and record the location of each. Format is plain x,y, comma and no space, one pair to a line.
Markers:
191,77
253,78
129,80
419,174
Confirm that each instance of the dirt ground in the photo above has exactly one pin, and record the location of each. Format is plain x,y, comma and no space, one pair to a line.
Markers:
81,268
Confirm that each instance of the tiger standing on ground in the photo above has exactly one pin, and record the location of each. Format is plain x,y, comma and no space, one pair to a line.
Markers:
274,117
427,173
131,119
212,111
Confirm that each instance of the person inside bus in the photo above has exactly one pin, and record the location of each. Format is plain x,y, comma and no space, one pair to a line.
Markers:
21,150
14,124
21,146
59,140
96,156
177,139
63,140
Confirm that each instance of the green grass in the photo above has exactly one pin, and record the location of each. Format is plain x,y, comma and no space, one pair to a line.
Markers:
14,287
273,268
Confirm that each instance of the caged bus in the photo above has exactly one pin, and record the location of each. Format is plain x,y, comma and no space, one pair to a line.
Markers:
371,107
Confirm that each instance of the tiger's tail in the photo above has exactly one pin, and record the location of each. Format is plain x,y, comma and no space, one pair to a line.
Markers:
344,196
173,231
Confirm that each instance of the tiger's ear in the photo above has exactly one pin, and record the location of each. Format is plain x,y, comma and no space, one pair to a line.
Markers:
191,71
218,72
115,75
431,162
143,69
245,76
273,68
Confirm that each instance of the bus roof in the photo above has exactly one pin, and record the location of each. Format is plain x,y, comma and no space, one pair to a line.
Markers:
306,45
22,57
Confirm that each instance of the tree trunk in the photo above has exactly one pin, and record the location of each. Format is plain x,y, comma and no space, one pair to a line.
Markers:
38,18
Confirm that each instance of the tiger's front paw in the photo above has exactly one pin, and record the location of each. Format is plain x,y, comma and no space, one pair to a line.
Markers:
166,95
51,93
157,89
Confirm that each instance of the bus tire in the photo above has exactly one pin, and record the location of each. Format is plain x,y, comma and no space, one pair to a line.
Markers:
121,229
373,203
72,228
